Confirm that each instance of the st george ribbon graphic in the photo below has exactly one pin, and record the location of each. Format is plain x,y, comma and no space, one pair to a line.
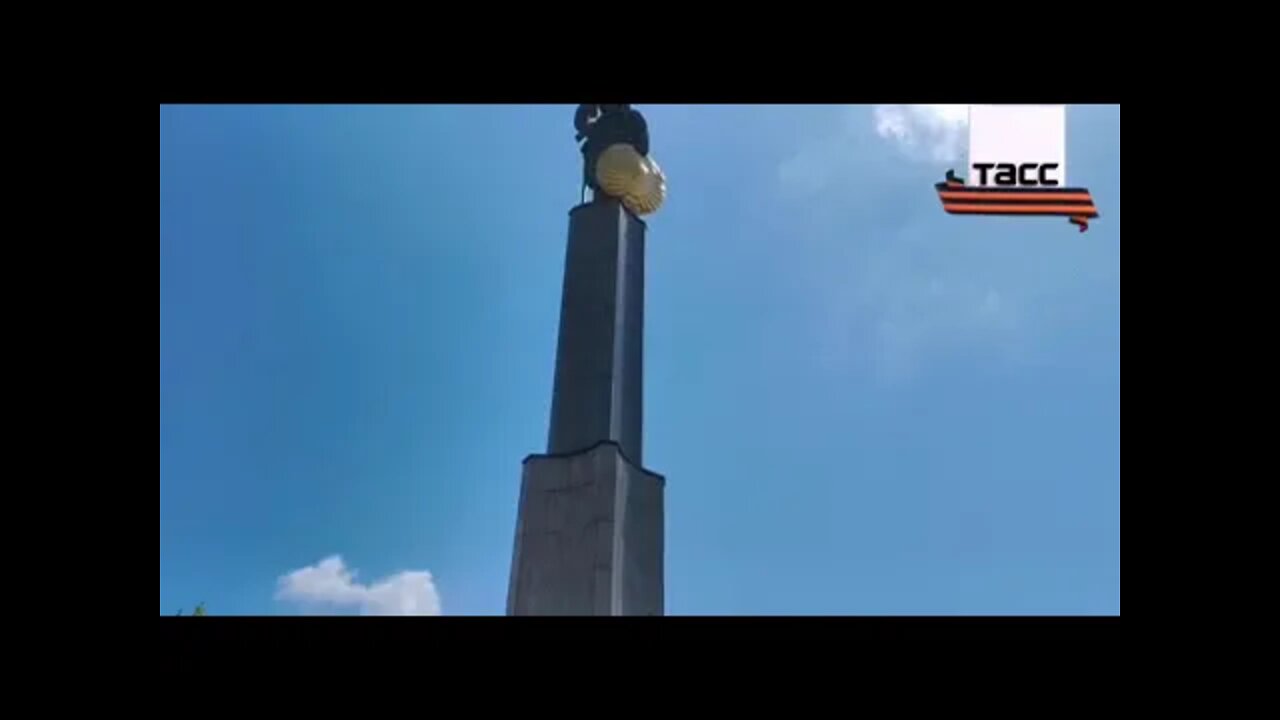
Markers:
1076,204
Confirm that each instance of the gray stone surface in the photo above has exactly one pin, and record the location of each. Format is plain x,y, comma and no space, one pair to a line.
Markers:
589,538
589,535
599,392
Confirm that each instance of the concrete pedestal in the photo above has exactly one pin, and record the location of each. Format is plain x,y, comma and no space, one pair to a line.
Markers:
589,539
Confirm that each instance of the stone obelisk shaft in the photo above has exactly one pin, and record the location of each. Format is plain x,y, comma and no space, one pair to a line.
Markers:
589,537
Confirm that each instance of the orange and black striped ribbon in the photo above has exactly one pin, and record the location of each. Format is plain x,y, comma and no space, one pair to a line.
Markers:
959,199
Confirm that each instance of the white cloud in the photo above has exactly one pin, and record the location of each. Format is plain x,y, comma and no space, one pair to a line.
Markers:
931,133
859,149
331,584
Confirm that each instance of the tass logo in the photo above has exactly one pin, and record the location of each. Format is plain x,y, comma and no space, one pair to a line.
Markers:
1018,175
1017,166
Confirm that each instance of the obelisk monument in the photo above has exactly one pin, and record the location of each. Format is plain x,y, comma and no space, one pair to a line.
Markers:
589,534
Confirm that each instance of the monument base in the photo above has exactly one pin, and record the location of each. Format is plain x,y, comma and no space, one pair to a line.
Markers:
589,537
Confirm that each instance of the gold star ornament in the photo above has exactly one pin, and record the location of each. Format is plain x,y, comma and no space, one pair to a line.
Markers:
636,180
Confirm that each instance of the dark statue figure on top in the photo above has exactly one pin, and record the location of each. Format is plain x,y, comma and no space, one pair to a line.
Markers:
605,125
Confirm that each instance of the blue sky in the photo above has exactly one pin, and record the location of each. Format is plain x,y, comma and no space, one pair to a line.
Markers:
861,404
